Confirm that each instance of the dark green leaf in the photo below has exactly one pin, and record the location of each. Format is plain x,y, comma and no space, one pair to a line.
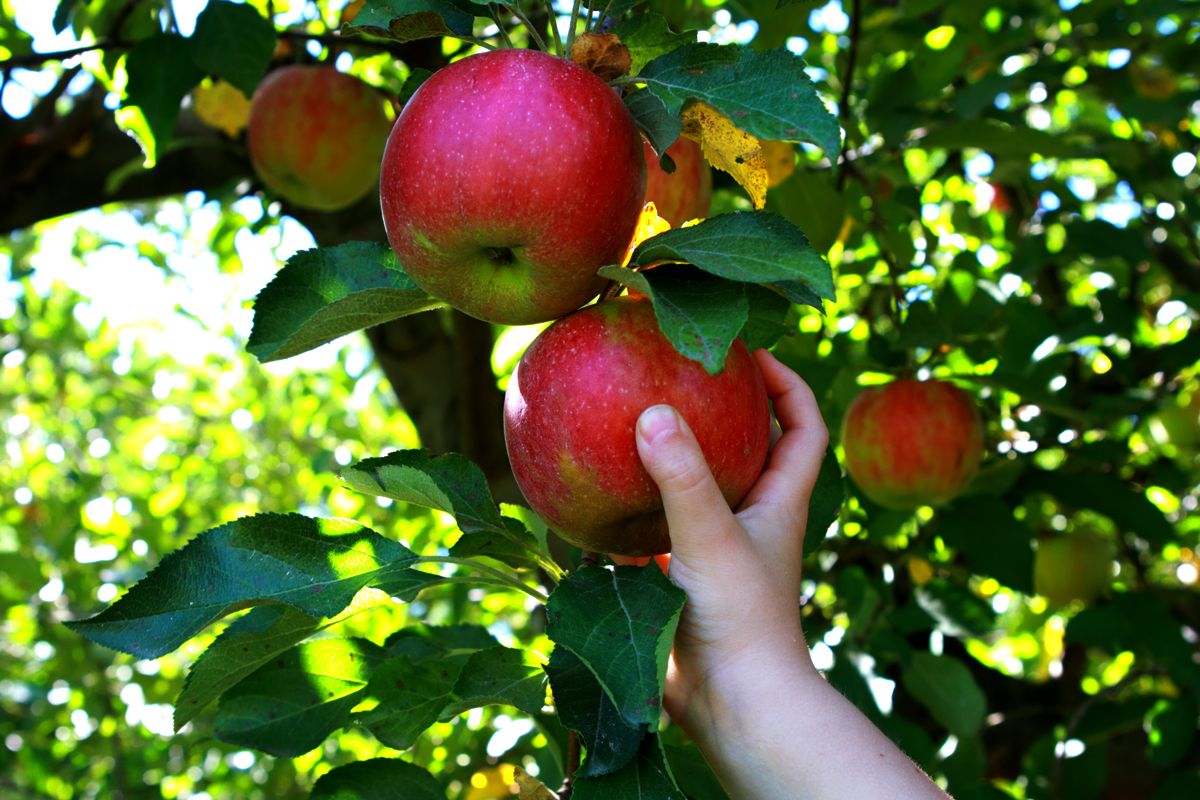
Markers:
648,36
753,247
997,139
408,20
700,314
945,686
646,777
812,204
584,707
1106,494
410,697
320,295
454,638
995,544
800,293
377,779
660,127
291,704
957,611
518,548
769,95
415,78
316,565
233,41
160,74
500,676
825,502
1141,623
448,483
621,623
1171,726
62,15
693,774
768,312
924,328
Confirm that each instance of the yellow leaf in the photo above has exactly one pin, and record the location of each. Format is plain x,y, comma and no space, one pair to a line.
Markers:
920,570
531,788
221,106
781,162
728,148
649,224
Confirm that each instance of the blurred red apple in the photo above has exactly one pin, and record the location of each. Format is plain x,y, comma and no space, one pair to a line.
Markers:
1072,567
316,136
509,179
912,443
572,406
686,193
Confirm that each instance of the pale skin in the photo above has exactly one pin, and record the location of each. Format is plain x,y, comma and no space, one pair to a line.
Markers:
741,682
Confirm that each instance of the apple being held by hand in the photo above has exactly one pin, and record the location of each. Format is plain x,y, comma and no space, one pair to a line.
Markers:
572,407
316,136
912,443
509,179
684,194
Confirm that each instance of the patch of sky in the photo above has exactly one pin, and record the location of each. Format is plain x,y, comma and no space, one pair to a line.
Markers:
829,17
1122,208
1118,58
979,167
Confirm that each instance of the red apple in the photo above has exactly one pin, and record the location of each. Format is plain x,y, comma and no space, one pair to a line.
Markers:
572,406
510,177
912,443
316,136
1075,567
686,193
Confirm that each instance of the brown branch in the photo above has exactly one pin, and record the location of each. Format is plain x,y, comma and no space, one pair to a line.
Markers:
573,756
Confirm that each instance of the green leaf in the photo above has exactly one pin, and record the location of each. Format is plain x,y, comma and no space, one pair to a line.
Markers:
320,295
233,41
957,611
660,127
753,247
415,78
799,292
1171,726
946,687
621,623
693,774
500,676
161,73
454,638
766,323
997,139
584,707
315,565
448,483
518,548
646,777
983,529
1143,624
809,201
648,36
700,314
1106,494
410,697
290,705
377,779
769,95
408,20
62,15
825,503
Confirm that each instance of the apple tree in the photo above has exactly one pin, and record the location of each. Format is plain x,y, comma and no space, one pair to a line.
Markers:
236,563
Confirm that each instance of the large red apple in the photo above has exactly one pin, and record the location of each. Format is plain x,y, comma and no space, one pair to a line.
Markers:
686,193
510,177
572,406
316,136
912,443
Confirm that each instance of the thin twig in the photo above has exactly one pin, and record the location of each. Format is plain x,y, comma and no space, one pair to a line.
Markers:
571,30
508,580
573,756
848,81
515,10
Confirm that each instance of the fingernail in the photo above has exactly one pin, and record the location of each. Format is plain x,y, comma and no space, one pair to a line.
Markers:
657,422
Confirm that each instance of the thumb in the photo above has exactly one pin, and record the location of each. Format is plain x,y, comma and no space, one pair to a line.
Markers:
693,503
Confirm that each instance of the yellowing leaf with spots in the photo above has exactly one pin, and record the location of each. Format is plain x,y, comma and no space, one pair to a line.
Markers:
531,788
728,148
650,224
781,162
493,783
221,106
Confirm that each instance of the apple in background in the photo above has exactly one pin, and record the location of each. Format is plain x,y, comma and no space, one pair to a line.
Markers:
1072,567
509,179
912,443
572,406
316,136
686,193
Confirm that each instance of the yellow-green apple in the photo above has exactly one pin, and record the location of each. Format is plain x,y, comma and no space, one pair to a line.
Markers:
572,406
912,443
1072,567
686,193
316,136
509,179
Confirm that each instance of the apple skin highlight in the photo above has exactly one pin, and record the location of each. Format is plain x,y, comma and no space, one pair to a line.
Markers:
912,443
509,179
571,411
684,194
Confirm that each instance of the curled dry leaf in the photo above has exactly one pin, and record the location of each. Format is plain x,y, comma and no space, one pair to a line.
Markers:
219,105
603,54
530,787
728,148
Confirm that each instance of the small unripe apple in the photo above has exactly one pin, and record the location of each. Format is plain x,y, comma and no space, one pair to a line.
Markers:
509,179
316,136
572,407
912,443
686,193
1075,567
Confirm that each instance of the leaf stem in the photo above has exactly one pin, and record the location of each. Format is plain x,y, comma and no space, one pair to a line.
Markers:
500,25
554,30
507,580
515,10
574,24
